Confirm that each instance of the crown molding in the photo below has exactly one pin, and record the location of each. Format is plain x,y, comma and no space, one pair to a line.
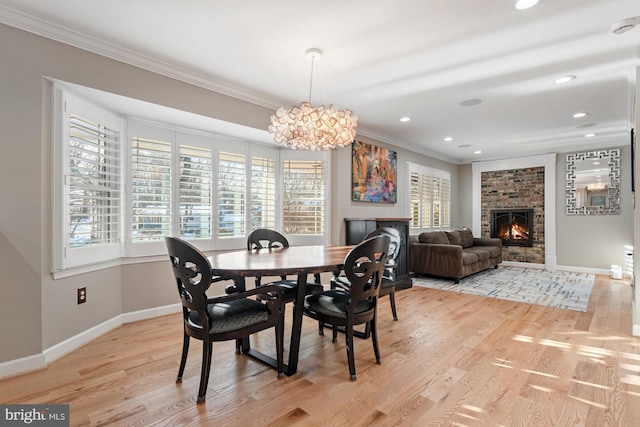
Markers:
49,30
52,31
402,144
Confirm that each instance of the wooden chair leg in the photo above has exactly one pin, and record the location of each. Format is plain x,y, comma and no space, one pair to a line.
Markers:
280,346
207,349
183,360
350,357
392,301
374,340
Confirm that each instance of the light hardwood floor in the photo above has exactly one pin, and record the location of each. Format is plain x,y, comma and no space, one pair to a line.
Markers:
451,360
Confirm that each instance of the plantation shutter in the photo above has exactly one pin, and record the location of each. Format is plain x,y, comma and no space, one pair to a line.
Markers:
93,173
304,197
151,189
430,197
232,181
195,192
263,193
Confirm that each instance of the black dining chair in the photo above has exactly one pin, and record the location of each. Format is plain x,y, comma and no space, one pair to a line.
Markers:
263,238
220,318
388,286
353,301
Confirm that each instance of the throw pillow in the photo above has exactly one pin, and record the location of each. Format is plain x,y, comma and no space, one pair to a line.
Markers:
454,237
466,237
434,237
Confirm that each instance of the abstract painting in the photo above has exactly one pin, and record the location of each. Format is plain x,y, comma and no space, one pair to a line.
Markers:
373,173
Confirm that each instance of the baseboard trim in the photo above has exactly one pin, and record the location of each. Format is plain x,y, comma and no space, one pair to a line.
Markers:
42,360
22,365
150,313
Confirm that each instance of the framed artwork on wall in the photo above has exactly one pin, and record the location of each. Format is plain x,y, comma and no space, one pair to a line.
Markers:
373,173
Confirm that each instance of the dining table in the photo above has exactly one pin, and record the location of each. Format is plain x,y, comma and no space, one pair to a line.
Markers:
294,260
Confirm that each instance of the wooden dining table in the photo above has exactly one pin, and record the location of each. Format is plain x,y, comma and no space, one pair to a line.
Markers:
294,260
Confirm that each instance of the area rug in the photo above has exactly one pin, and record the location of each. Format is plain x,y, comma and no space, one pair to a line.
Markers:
560,289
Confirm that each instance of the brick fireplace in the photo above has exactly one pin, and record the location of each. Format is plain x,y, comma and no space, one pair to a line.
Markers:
509,191
518,184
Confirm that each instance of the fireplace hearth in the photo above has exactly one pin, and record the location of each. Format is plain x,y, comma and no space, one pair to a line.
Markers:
513,226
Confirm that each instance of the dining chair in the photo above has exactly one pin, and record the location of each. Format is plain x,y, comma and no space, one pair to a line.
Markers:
388,286
263,238
353,300
220,318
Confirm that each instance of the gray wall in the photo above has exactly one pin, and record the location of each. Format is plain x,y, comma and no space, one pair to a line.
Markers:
591,242
343,207
37,312
595,241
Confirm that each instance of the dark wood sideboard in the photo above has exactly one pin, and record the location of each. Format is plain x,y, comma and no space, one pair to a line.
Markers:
357,228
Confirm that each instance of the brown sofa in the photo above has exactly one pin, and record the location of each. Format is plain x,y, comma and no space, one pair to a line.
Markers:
454,254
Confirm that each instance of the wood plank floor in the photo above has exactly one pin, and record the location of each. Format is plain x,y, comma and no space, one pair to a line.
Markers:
451,360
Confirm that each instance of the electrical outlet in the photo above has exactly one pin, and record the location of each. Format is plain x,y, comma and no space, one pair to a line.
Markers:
82,295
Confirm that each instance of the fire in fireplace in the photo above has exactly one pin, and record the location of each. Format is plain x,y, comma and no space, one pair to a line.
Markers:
513,226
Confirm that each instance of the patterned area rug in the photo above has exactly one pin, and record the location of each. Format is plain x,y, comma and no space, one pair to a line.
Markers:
560,289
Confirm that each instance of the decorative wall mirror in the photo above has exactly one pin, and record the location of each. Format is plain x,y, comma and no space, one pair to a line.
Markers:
593,183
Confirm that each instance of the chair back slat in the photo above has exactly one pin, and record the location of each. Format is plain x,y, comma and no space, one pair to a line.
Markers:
364,267
264,238
192,271
394,246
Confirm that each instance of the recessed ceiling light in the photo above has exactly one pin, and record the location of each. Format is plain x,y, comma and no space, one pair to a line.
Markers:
448,139
578,115
477,152
596,163
590,135
564,79
405,119
470,102
525,4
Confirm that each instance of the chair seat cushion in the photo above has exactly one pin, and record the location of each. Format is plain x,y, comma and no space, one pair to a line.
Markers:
232,315
333,303
289,288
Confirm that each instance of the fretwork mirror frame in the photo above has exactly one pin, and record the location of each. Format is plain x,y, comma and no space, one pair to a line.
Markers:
612,205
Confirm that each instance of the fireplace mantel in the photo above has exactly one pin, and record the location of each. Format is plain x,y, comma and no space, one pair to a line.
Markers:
548,161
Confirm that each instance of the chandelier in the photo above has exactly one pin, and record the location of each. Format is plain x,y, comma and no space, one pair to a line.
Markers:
311,128
597,186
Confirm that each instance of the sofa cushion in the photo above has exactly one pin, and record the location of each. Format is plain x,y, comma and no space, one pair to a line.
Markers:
454,237
469,258
466,237
482,252
495,251
434,237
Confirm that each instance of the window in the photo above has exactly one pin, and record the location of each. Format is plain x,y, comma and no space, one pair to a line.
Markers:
430,197
121,186
232,177
150,189
263,192
195,192
304,197
87,223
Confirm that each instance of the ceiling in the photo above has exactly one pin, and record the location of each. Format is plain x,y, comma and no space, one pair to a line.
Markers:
384,60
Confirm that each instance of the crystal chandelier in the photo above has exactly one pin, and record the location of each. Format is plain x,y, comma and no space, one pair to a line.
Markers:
313,128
